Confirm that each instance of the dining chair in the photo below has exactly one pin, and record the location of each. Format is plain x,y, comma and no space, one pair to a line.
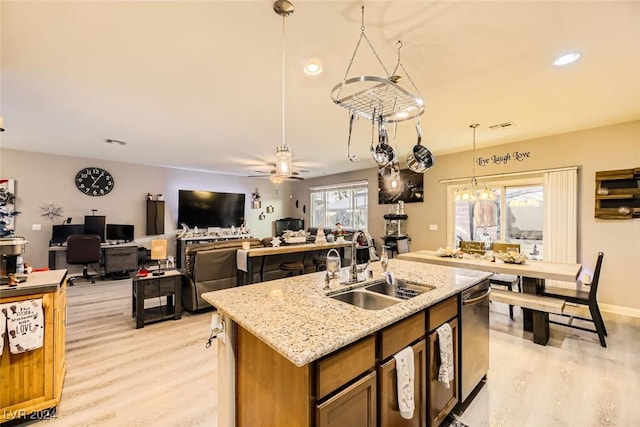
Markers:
471,247
83,249
506,280
582,297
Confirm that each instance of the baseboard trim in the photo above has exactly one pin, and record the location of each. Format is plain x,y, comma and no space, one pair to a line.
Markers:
617,309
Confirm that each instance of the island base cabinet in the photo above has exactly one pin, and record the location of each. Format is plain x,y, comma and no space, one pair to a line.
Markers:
355,406
441,399
389,411
32,381
270,390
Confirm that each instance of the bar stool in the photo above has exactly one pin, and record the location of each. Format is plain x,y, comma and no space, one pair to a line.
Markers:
320,263
292,267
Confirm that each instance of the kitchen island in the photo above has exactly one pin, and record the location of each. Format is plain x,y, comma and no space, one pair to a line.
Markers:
291,355
31,381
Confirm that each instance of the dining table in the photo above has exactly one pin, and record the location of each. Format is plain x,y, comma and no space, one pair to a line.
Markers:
533,272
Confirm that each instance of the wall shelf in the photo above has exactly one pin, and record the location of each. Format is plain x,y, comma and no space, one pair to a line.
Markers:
622,198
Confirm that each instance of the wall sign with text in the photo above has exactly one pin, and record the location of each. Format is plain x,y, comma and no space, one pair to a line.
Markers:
503,159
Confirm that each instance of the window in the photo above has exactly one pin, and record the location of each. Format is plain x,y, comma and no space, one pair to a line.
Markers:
538,211
515,216
346,203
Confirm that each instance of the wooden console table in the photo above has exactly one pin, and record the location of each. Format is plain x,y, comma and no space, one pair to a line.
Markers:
255,256
168,285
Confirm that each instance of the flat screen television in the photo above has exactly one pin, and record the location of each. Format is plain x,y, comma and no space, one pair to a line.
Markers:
94,224
120,232
291,224
210,209
59,233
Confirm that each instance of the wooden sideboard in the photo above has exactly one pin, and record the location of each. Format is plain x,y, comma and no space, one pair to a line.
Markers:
31,382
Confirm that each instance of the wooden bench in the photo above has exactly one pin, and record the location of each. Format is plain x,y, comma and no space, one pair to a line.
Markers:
540,307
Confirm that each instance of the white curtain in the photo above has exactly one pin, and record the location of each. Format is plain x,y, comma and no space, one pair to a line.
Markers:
560,219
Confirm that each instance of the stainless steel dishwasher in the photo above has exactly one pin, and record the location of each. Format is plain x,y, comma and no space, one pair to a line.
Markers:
474,337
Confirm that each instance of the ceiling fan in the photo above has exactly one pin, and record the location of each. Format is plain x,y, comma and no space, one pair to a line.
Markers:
274,178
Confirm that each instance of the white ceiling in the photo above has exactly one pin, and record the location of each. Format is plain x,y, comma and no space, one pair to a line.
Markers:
198,84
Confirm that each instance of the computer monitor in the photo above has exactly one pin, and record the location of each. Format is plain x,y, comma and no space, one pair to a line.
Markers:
59,233
120,232
94,224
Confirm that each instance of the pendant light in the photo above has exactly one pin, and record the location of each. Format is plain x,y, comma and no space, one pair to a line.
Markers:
474,190
283,8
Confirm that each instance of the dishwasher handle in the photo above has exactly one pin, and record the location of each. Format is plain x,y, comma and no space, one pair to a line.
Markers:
476,300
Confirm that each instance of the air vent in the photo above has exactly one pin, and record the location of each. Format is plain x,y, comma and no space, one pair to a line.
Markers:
501,125
115,141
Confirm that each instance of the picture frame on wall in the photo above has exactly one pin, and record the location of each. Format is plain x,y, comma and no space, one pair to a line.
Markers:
408,188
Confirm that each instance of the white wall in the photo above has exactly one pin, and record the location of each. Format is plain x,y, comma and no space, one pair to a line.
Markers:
605,148
42,179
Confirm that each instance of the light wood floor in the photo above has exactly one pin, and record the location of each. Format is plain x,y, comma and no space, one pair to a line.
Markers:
162,375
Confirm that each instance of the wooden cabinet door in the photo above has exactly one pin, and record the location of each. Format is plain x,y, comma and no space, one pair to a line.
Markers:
441,399
388,391
354,406
59,345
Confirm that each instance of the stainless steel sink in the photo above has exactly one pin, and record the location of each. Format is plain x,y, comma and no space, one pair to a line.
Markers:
403,289
366,300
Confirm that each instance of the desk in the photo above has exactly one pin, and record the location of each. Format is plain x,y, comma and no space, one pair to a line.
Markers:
251,257
533,272
116,258
169,285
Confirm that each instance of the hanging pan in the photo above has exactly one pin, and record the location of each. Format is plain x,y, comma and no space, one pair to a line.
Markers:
420,158
383,153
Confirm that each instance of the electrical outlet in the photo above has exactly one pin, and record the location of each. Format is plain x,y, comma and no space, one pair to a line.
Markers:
433,227
36,227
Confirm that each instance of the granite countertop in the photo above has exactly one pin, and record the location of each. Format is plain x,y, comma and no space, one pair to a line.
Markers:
296,318
36,283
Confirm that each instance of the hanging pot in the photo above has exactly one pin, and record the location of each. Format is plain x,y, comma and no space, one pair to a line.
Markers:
420,158
390,171
383,153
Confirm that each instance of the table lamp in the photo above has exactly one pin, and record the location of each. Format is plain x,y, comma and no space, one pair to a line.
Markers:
158,252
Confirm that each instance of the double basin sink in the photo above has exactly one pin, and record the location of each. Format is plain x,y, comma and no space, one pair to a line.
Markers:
380,294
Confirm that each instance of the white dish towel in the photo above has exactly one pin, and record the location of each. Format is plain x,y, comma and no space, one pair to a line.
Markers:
241,259
25,325
446,370
3,324
405,378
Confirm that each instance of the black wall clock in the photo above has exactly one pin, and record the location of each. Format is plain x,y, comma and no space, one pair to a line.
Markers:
94,181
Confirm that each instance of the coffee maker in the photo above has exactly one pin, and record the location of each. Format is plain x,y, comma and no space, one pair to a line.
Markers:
10,249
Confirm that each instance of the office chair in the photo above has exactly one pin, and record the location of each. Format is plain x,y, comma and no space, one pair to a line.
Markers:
582,297
83,249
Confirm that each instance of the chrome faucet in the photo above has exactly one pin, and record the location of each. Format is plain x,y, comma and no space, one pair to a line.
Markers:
353,276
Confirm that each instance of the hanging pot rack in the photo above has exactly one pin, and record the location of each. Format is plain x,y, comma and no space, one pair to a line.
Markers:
374,97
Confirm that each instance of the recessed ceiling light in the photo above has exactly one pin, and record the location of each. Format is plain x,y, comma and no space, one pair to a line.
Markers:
313,67
566,59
